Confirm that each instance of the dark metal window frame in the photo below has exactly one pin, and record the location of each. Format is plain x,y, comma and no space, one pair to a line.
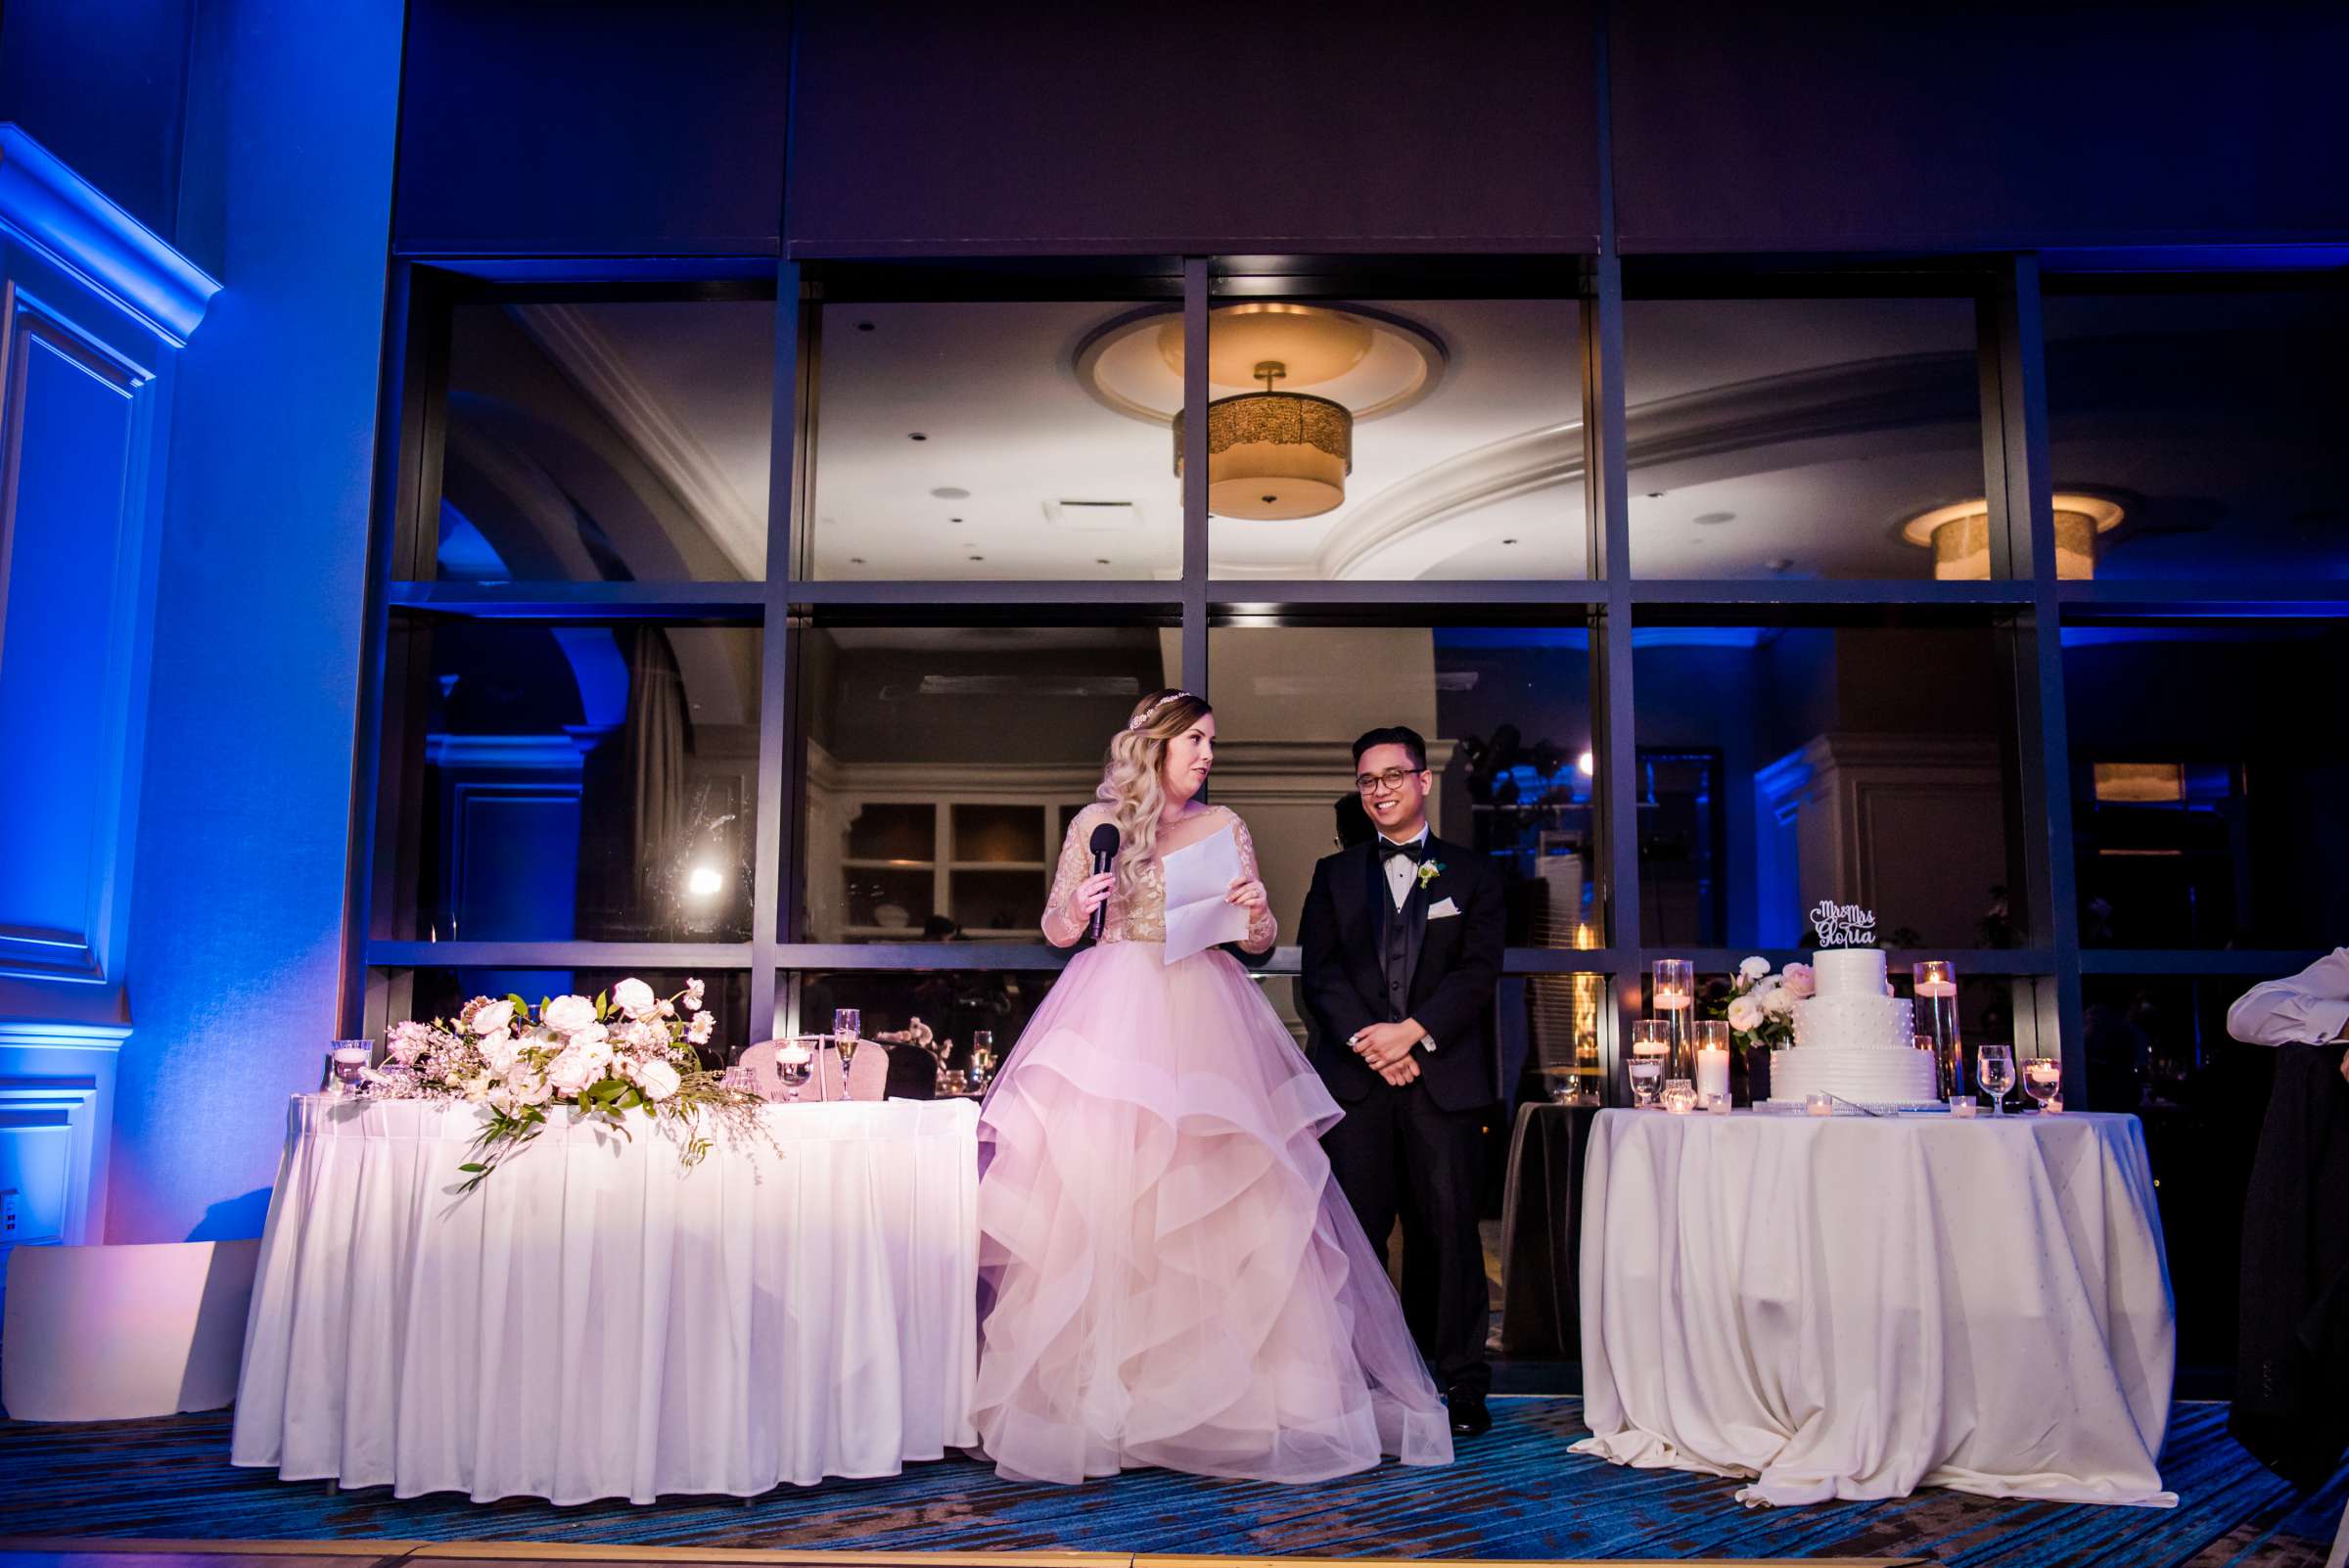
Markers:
2023,602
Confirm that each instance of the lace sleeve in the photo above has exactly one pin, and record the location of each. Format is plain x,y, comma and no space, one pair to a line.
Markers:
1062,924
1262,927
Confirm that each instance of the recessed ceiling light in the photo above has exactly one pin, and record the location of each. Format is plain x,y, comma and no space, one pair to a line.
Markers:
1508,541
1706,520
915,435
953,519
864,326
978,557
1778,563
1100,560
856,560
951,493
1655,495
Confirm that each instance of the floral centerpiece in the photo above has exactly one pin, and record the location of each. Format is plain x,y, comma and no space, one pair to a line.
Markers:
1758,1006
627,1050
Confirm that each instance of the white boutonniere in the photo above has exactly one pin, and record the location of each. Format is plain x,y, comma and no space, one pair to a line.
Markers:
1429,870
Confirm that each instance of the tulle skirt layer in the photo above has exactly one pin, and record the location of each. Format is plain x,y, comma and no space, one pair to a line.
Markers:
1172,1278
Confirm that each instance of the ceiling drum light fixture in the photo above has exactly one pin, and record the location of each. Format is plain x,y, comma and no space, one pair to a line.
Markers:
1285,451
1272,455
1959,537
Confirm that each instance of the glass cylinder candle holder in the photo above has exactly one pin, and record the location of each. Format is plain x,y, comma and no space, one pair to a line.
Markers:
1819,1104
1674,1003
1712,1059
1651,1043
1936,987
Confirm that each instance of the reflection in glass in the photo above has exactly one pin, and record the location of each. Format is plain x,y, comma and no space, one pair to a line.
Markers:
441,992
1780,766
942,764
2214,420
964,440
1506,712
2201,815
1458,421
608,441
1796,438
573,782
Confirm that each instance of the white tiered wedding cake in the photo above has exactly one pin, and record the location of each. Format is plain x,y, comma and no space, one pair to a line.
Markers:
1853,1039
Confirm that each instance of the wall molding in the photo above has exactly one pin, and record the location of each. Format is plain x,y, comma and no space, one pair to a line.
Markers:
74,227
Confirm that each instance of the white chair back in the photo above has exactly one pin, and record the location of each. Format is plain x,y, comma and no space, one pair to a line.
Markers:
867,1076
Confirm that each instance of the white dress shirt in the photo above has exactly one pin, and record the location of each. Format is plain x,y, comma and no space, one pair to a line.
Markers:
2308,1009
1400,871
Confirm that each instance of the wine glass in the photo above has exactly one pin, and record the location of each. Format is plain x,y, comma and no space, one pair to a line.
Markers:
1651,1043
2043,1079
1994,1066
848,1023
982,1056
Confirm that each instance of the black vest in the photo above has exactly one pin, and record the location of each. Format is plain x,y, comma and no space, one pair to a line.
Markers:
1399,935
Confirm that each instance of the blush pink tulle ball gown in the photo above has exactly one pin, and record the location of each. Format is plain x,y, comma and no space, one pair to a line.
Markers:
1172,1277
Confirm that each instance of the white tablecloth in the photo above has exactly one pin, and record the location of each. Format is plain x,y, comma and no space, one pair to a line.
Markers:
594,1321
1852,1307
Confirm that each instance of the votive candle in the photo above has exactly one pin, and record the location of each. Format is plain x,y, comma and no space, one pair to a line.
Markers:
1819,1104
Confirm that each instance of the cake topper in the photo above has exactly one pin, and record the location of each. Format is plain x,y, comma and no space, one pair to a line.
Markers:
1844,925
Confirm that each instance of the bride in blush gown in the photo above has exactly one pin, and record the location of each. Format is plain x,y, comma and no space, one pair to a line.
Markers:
1172,1277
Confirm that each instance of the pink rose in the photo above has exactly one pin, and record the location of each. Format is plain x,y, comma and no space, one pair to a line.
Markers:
1800,981
572,1071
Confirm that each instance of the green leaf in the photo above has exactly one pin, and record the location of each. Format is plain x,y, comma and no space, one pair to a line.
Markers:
603,1005
474,1165
522,1010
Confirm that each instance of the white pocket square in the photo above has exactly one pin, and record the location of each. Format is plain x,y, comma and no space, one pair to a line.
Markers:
1443,908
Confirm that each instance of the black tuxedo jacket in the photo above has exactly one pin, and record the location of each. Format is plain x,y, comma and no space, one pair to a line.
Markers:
1457,965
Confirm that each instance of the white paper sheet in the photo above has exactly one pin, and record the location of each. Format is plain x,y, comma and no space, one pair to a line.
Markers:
1198,876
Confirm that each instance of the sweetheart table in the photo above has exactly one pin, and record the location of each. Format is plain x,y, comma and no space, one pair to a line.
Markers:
1855,1306
595,1321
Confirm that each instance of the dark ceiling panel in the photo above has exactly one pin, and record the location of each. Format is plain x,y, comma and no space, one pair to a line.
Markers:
1142,129
531,129
1943,125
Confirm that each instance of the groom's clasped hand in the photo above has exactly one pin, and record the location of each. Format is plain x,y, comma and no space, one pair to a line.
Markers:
1387,1049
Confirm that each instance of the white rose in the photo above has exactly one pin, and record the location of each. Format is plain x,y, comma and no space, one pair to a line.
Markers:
493,1018
634,997
572,1071
1754,968
500,1050
529,1087
593,1047
568,1015
658,1079
1779,1002
1745,1015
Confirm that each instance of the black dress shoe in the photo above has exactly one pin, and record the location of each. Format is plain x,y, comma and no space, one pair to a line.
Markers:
1469,1417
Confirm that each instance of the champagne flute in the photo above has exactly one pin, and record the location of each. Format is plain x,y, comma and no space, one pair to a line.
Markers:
982,1056
1651,1043
847,1024
1994,1065
2043,1079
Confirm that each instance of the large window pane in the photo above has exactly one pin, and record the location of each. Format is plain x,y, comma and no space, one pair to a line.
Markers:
607,441
1506,712
2213,423
1423,439
1803,437
975,440
570,782
2210,763
421,994
1780,766
944,764
2157,1047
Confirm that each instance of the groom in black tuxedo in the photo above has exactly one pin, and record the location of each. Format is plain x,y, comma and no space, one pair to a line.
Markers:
1401,942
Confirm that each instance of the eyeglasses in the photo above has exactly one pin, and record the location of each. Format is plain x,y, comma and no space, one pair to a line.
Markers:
1390,779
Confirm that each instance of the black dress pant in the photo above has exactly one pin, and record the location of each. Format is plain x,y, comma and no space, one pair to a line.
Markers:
1398,1154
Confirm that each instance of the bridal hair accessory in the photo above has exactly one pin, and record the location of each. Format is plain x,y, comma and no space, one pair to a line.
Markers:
1843,925
1141,720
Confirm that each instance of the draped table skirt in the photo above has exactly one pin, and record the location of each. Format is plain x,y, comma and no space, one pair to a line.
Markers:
1854,1308
596,1321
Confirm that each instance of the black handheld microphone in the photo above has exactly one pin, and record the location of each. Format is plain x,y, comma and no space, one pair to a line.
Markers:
1105,849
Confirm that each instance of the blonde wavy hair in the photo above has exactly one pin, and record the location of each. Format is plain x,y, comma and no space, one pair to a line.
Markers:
1132,779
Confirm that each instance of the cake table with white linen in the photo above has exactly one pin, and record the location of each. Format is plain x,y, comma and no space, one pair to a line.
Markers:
595,1320
1856,1307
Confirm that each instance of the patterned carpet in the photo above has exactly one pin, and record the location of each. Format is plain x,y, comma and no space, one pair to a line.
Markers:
1519,1495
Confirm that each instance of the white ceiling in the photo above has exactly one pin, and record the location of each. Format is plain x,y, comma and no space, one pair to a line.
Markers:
1816,426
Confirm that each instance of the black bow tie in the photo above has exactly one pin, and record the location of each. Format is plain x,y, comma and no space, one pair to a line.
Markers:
1411,852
